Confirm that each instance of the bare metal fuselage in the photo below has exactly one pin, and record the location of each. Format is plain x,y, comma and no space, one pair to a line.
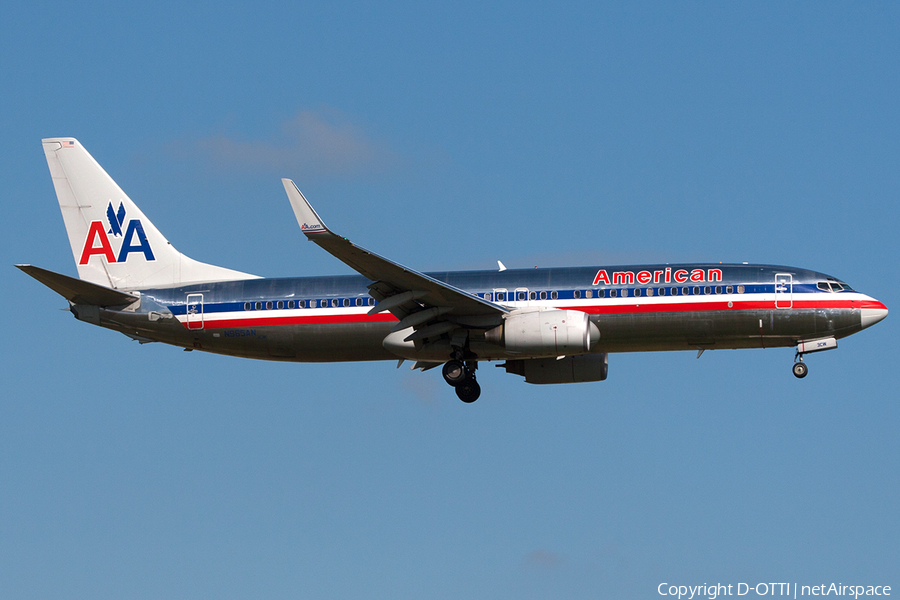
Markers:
325,319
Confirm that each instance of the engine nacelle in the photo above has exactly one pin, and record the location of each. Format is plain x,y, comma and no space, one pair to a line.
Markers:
570,369
546,333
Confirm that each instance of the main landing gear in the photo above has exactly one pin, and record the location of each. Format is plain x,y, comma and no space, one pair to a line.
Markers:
800,369
462,377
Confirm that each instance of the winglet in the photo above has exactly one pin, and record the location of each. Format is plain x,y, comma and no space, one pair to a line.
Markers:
307,218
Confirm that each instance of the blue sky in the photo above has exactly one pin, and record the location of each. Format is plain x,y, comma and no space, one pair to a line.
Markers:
450,136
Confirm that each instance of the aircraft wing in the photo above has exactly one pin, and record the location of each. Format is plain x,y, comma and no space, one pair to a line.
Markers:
413,297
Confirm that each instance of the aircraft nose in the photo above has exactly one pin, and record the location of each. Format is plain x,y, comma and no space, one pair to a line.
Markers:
871,312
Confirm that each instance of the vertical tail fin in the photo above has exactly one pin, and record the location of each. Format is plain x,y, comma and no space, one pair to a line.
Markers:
113,243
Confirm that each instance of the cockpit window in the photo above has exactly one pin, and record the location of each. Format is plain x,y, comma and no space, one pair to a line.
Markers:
833,286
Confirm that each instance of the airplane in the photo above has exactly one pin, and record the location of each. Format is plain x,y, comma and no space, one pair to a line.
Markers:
548,325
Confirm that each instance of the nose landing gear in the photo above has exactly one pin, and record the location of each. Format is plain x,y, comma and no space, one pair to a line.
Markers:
462,377
800,369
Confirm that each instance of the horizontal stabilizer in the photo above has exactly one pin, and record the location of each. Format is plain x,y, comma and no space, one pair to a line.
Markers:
78,291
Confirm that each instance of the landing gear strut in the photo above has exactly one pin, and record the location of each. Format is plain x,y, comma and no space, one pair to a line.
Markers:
462,377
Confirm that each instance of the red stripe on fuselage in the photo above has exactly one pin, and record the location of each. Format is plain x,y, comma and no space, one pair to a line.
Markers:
720,306
873,304
283,320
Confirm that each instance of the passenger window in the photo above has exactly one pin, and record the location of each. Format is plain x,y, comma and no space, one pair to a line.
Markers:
637,292
718,289
371,301
246,306
532,296
268,306
554,295
301,303
259,306
589,294
359,301
740,289
729,289
707,290
280,304
613,293
543,295
649,291
501,297
696,290
577,294
346,301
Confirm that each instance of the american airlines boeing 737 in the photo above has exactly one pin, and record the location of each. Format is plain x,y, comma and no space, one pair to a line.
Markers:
553,325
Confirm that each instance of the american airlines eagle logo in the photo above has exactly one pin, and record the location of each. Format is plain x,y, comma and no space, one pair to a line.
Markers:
116,219
97,241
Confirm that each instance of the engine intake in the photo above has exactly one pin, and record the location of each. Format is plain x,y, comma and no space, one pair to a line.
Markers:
546,333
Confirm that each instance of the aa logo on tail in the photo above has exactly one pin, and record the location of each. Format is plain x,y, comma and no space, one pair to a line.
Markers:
97,240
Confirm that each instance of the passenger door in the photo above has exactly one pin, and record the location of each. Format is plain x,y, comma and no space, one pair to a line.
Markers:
784,290
195,311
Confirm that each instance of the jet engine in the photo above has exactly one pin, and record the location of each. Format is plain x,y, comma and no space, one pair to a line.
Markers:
545,333
569,369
